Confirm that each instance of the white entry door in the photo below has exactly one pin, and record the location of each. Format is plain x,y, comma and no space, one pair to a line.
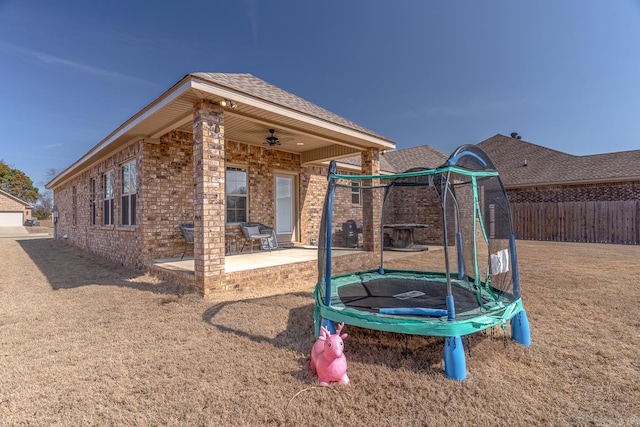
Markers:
285,208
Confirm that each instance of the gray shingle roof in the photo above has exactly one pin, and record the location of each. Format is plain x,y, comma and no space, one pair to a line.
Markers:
546,166
357,161
423,156
251,85
401,160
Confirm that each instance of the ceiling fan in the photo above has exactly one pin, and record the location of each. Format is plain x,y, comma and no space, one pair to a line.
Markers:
272,140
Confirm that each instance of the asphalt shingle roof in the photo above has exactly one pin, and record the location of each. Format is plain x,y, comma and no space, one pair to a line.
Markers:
423,156
401,160
251,85
546,166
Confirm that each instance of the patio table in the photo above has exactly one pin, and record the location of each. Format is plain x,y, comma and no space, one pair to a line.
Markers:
403,236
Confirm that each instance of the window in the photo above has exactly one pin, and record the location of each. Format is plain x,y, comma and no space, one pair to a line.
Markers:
107,184
92,201
74,204
236,193
355,192
128,193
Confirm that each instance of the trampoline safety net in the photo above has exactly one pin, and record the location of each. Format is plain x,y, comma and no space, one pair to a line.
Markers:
412,239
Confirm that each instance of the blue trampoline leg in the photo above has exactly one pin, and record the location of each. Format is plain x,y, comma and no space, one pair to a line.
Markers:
329,325
520,329
316,322
455,366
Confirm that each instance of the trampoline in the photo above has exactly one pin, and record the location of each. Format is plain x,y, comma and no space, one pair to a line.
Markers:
461,210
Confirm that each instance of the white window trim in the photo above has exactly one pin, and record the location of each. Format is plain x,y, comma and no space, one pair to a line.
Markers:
133,191
93,200
105,198
359,192
246,170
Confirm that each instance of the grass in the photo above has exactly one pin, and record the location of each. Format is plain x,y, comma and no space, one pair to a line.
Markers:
86,342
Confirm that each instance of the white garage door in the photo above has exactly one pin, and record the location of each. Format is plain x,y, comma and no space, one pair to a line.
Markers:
12,219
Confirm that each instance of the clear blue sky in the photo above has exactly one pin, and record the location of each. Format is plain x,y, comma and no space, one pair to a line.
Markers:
565,74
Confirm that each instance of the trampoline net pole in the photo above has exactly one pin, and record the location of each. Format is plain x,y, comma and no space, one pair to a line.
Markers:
444,229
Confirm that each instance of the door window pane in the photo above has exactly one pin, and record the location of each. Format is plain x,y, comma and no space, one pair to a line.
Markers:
284,205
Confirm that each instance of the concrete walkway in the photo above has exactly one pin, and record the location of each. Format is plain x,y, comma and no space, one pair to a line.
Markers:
21,233
10,232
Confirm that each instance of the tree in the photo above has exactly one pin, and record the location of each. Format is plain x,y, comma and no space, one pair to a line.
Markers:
16,183
43,208
45,199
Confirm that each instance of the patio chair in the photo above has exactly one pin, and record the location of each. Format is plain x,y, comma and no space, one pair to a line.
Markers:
187,233
256,233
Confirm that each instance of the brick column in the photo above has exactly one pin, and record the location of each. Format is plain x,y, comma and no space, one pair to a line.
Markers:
371,203
208,177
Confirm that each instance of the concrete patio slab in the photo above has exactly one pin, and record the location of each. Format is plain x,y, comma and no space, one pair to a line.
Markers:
264,259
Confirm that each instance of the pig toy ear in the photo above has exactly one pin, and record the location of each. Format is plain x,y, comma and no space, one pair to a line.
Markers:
343,336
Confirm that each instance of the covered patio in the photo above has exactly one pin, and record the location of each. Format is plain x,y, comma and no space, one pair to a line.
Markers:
258,154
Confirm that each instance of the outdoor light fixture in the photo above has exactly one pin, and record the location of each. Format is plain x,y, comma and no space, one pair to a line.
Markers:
228,103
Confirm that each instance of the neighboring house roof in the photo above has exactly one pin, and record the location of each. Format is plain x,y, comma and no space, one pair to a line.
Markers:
402,160
258,88
523,163
356,162
15,199
415,157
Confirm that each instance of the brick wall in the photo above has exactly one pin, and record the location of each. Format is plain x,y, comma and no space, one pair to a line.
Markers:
262,163
313,187
271,277
416,205
165,197
115,242
576,193
167,183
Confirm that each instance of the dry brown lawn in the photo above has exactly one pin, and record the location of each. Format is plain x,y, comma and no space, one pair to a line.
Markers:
85,342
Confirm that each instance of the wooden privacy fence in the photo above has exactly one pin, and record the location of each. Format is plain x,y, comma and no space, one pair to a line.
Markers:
593,222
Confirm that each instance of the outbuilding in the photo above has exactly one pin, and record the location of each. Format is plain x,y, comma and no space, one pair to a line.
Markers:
13,211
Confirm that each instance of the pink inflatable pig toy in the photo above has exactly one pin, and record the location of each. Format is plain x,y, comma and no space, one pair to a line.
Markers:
327,357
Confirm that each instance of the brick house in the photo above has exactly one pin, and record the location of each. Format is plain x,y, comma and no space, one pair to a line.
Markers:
13,211
198,154
561,197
